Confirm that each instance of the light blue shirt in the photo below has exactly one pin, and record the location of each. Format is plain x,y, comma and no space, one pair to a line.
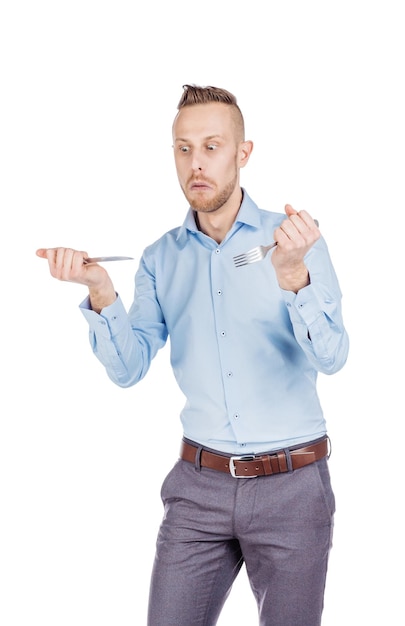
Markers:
244,352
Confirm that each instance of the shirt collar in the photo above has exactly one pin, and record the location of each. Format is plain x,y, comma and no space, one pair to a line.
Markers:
248,214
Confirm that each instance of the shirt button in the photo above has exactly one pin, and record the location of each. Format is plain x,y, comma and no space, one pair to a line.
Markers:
223,333
229,374
236,416
219,292
217,251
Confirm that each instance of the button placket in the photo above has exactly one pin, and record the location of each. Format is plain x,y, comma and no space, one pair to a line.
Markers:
219,303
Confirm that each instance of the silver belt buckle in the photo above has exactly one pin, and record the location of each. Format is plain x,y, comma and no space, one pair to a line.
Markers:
244,457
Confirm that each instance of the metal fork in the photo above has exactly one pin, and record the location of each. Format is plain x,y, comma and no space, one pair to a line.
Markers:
255,254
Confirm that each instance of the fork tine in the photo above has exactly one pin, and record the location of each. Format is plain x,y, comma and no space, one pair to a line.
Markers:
246,262
241,262
251,258
248,259
240,256
251,252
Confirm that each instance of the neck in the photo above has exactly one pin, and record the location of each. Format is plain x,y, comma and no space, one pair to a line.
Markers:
216,224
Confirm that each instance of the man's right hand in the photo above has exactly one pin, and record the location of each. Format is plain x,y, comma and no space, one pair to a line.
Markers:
68,265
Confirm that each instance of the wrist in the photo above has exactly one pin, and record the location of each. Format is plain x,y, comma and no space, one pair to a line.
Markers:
293,279
102,296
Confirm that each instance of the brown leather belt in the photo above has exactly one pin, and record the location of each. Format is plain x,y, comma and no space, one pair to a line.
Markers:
251,466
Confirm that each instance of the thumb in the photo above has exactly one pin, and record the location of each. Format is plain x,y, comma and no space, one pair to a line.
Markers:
289,210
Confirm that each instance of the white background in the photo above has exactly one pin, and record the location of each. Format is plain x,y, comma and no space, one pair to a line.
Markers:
89,90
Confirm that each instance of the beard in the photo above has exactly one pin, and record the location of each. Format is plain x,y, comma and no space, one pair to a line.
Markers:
210,205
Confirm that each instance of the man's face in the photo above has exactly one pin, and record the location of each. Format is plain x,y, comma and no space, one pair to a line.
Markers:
206,155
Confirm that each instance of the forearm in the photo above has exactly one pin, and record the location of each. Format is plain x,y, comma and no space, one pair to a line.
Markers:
124,350
113,342
325,343
293,279
102,295
318,328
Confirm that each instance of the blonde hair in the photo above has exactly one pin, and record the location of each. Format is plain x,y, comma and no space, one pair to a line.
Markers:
194,94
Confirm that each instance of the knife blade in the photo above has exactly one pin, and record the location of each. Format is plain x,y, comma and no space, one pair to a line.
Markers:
103,259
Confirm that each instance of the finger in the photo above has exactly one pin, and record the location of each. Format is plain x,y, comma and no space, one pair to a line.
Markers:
307,219
41,252
296,227
285,233
68,263
49,253
289,210
294,224
63,258
288,227
302,221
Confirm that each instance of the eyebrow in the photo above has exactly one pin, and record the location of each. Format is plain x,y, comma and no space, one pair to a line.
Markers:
209,138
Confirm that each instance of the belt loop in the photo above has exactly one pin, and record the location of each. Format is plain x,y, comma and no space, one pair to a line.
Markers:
267,468
288,459
329,447
282,461
197,459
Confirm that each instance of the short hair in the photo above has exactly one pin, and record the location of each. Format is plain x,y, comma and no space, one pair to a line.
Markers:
194,94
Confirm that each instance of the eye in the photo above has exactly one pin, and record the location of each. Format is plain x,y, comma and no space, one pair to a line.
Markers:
184,148
211,146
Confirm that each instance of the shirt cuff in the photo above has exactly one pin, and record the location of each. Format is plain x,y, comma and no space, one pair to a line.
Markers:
109,321
303,306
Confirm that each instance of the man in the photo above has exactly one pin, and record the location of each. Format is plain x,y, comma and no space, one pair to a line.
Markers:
252,483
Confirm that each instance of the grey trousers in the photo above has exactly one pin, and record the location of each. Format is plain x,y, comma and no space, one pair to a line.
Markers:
280,526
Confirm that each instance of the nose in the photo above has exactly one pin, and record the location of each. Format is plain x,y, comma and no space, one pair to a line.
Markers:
197,163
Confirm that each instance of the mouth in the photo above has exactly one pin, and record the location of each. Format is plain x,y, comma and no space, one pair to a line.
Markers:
199,185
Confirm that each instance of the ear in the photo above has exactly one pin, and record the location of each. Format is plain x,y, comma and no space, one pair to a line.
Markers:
244,152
